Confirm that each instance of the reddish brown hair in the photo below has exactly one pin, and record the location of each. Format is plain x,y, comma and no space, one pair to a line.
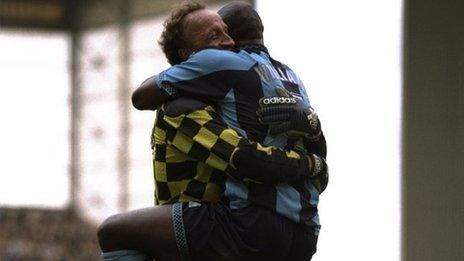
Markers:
172,37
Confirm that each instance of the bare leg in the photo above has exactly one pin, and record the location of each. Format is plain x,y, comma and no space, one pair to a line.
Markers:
148,230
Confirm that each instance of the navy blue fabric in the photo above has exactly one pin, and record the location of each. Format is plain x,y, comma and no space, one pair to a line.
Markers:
234,82
252,233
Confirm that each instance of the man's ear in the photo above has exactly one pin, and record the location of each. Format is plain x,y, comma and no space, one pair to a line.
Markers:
184,53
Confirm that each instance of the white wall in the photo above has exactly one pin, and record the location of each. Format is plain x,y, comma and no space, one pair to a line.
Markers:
348,55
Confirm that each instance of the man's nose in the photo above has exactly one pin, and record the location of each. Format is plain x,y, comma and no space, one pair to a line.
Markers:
227,42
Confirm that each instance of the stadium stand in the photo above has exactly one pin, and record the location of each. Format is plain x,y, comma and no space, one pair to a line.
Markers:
46,234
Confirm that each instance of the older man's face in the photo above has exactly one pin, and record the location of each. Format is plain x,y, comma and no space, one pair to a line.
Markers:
205,28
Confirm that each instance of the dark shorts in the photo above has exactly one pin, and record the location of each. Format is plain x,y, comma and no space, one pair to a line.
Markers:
215,232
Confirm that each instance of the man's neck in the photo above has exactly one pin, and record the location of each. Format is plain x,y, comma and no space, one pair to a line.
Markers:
241,43
254,46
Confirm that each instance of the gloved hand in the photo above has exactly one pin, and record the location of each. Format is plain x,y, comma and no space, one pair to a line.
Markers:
287,114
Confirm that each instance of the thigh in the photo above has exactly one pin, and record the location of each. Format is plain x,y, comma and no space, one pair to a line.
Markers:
215,232
305,244
148,230
211,233
268,235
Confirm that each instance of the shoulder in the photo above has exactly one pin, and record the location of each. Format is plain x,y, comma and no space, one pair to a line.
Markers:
292,76
183,105
283,66
219,59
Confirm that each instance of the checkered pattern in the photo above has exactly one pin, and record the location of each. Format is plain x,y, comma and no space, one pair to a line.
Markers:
179,231
193,153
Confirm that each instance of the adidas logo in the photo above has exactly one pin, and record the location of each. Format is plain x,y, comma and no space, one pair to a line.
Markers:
279,100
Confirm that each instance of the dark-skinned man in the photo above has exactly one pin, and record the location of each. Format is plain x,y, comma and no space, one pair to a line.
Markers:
244,226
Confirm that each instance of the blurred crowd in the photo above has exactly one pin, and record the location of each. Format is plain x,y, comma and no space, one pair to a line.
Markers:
44,234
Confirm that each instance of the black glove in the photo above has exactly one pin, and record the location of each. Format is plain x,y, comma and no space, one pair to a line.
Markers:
289,115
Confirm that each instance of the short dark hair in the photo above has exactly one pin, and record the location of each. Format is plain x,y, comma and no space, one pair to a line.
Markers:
243,21
172,37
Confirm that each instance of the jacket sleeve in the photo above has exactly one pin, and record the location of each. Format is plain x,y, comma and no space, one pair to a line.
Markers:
199,132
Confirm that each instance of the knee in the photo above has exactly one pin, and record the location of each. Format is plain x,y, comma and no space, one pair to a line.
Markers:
108,232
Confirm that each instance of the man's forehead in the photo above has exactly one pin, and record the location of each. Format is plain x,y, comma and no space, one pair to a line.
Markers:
201,18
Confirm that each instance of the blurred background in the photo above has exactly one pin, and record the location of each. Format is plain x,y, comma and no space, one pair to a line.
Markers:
386,77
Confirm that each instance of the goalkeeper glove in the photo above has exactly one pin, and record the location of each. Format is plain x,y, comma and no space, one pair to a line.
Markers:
287,114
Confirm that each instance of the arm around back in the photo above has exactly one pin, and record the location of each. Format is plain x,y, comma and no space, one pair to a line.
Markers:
148,96
204,136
